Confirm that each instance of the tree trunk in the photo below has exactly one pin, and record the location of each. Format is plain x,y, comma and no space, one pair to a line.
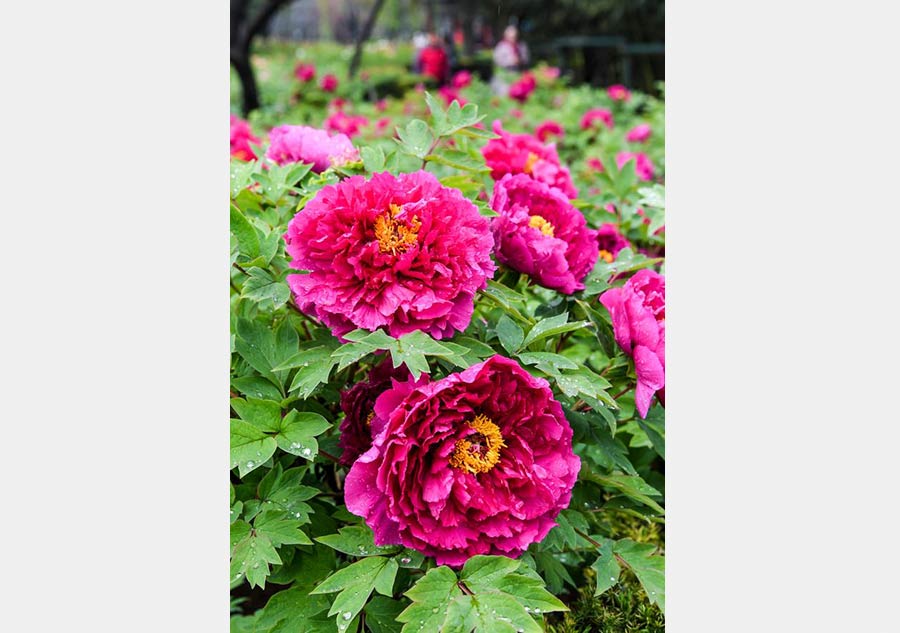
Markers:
362,37
249,94
243,29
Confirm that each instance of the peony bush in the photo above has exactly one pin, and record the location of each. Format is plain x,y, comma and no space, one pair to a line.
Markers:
447,358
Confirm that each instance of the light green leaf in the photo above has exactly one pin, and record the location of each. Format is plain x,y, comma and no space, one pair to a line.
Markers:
297,433
356,540
481,573
606,568
247,237
649,569
416,138
510,334
373,158
552,326
250,447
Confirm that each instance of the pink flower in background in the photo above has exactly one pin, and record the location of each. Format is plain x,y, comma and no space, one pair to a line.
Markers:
358,404
516,113
382,124
540,233
329,83
337,104
550,72
302,144
402,253
618,92
479,462
521,89
639,133
241,137
449,95
643,166
344,123
462,79
638,311
547,129
381,105
595,164
525,154
596,114
305,72
610,241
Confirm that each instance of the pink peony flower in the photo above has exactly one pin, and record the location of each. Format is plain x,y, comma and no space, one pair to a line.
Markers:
638,134
302,144
381,105
358,404
547,129
337,104
382,124
524,154
241,137
329,83
638,311
479,462
595,164
643,166
550,72
344,123
596,114
540,233
521,89
462,79
402,253
516,113
618,92
610,241
305,72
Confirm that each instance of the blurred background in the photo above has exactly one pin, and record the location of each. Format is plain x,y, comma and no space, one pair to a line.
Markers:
594,42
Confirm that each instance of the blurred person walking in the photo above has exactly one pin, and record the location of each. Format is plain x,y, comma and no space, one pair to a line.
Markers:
510,57
434,61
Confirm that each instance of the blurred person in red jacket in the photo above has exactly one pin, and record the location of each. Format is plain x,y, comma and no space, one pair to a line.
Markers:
434,61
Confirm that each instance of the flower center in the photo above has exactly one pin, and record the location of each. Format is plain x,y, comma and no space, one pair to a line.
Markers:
396,236
480,451
369,419
606,256
537,222
529,162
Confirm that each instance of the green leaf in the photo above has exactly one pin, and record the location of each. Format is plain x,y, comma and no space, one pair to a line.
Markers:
263,414
551,327
531,593
356,540
251,557
416,138
481,573
246,235
297,433
355,583
288,608
250,447
649,569
489,612
510,334
367,568
458,160
260,287
654,427
630,485
256,344
430,595
373,158
381,615
412,348
547,362
606,568
384,581
257,387
280,531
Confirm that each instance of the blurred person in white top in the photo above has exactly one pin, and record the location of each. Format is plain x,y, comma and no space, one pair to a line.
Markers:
510,56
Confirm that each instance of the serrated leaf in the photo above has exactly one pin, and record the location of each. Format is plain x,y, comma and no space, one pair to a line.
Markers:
606,568
381,615
649,569
252,557
260,287
365,568
297,433
243,231
480,573
373,158
531,593
257,387
384,581
281,531
263,414
416,138
491,611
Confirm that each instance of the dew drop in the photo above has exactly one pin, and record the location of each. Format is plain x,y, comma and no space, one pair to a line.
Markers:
306,452
255,565
536,610
249,464
613,578
347,615
528,609
406,560
434,610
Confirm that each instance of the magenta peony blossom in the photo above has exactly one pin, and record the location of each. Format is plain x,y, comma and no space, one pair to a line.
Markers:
550,72
358,404
547,129
241,137
540,233
305,72
449,95
618,92
344,123
329,83
596,114
461,79
638,311
302,144
524,154
479,462
521,89
639,133
610,241
402,253
381,105
643,167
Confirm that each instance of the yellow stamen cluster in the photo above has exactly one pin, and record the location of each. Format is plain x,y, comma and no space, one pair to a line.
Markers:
606,256
529,162
369,419
537,222
394,236
481,455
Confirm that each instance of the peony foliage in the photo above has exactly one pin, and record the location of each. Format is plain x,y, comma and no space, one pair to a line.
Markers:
447,361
